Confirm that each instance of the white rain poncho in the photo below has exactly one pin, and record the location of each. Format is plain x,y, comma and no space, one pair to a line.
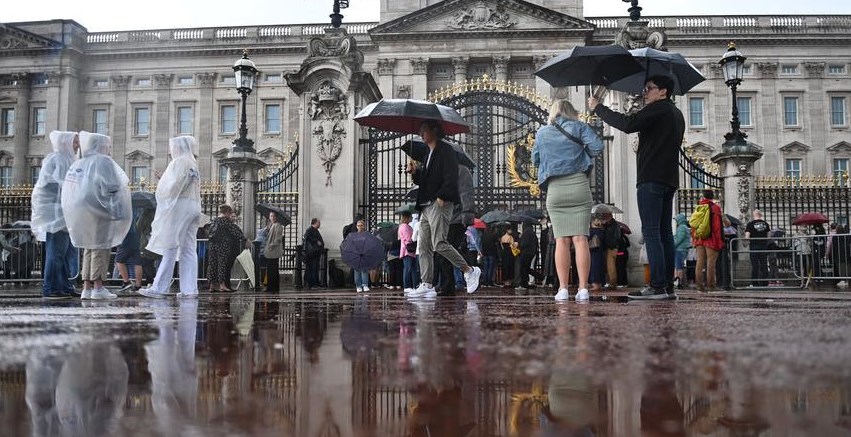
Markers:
178,197
47,214
96,196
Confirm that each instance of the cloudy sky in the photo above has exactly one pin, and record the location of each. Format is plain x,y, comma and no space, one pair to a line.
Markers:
104,15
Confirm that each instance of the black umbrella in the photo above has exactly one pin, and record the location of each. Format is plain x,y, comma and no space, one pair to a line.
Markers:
143,200
362,251
412,193
597,65
406,116
409,208
496,216
418,151
520,218
536,214
734,221
657,62
387,233
264,209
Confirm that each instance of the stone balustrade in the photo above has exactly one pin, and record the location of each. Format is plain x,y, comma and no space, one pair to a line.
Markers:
749,23
221,33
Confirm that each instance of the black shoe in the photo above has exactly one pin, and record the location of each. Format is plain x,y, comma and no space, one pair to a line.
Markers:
669,290
649,293
56,296
127,286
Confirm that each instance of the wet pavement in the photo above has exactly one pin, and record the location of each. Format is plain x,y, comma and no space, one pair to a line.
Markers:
337,364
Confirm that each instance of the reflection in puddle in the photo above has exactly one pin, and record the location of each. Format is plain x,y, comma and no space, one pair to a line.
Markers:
373,366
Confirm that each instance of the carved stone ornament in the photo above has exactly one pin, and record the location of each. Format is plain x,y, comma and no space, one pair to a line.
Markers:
386,66
403,92
459,65
767,69
206,79
479,17
120,81
815,69
743,189
9,43
336,44
500,65
539,60
236,193
235,175
328,110
419,65
163,80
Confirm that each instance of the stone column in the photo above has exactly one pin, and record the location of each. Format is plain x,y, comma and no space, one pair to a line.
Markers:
118,126
206,113
541,86
241,189
419,86
386,74
500,67
20,173
160,118
459,65
769,117
736,163
818,112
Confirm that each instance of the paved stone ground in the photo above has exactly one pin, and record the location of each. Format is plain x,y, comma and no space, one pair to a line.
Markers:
490,364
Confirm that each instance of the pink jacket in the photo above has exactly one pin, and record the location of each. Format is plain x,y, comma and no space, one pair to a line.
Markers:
406,234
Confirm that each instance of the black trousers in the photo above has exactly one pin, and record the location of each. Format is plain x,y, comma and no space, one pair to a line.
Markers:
759,269
522,277
273,275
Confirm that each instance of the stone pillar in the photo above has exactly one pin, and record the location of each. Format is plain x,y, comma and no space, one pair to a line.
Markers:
736,163
240,192
419,85
500,67
386,74
459,65
541,86
770,108
206,113
20,172
815,100
161,125
118,125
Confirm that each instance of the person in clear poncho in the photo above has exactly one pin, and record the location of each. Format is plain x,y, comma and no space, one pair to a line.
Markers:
96,204
178,216
48,221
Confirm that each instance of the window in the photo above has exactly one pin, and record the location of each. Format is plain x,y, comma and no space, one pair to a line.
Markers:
273,119
184,120
39,120
139,172
142,121
836,69
143,82
40,79
789,69
840,170
837,111
695,111
790,111
34,171
793,168
227,119
223,174
101,83
99,121
441,72
185,80
274,78
5,176
744,104
7,122
746,69
228,80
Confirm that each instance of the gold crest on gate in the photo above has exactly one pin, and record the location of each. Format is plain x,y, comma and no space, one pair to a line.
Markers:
522,173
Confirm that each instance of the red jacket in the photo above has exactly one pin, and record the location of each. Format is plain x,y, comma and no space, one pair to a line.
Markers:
716,236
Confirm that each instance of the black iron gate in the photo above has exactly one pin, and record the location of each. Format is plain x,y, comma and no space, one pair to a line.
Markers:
695,177
278,187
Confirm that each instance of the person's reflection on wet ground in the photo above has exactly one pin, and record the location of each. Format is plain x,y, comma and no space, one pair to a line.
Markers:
661,412
83,396
171,362
312,331
360,333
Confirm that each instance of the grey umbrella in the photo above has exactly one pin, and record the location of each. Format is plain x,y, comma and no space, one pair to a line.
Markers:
596,65
496,216
602,208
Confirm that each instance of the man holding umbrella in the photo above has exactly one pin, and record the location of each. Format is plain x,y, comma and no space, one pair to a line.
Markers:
438,182
660,126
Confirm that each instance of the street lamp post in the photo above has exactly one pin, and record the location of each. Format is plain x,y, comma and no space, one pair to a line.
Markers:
337,17
634,10
732,64
245,73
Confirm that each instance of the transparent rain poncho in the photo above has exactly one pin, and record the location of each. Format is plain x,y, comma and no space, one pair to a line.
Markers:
178,197
47,214
96,196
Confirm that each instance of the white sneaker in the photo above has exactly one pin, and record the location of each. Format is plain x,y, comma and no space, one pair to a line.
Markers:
365,288
359,289
472,279
582,295
408,291
424,290
189,295
562,295
102,294
153,294
87,294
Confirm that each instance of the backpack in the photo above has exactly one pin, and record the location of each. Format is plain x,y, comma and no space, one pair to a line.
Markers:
700,221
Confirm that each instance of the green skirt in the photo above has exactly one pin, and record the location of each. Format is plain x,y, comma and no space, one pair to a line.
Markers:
569,204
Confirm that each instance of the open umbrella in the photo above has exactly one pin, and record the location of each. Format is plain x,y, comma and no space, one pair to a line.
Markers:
264,209
734,221
520,218
536,214
657,62
418,151
388,234
596,65
810,218
143,200
406,116
624,228
479,224
408,207
362,251
602,208
495,216
412,193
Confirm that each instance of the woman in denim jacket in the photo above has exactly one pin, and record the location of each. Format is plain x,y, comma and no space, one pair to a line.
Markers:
563,154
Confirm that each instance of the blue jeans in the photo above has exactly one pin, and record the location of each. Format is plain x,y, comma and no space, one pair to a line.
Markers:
57,247
488,269
409,276
361,278
655,208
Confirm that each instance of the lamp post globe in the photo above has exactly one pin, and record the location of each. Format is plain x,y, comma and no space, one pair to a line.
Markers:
245,74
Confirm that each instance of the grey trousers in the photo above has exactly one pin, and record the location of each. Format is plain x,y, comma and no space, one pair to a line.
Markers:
434,227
